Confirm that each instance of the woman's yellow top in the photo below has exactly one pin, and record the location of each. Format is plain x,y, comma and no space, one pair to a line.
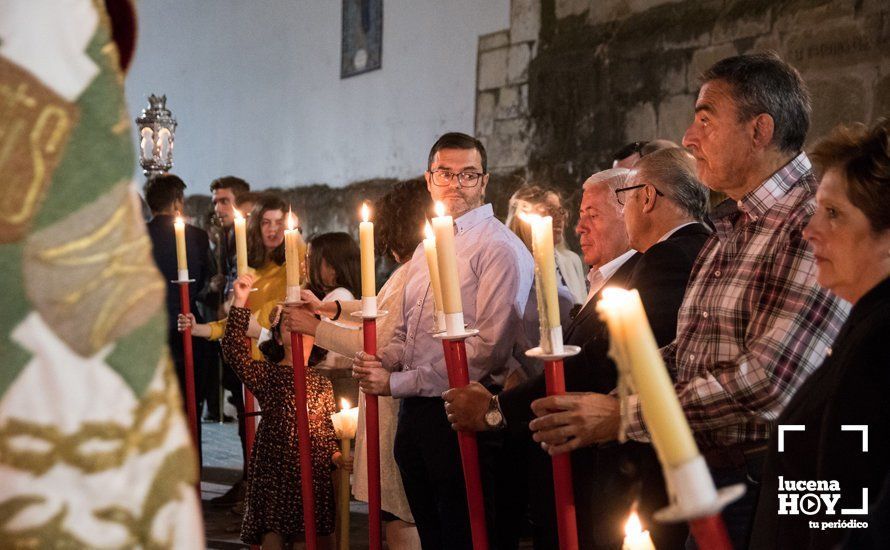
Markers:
271,288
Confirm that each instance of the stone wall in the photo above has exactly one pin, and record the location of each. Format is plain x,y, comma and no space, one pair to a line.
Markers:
602,73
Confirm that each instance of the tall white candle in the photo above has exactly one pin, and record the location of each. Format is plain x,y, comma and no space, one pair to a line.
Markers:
443,228
366,245
545,280
432,262
240,242
292,258
181,259
664,417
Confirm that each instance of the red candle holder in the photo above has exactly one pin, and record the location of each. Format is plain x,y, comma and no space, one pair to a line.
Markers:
191,408
372,434
566,520
458,377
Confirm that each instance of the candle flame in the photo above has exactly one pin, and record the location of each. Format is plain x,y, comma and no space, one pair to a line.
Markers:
179,219
440,209
344,404
238,214
529,218
292,220
428,231
365,212
633,526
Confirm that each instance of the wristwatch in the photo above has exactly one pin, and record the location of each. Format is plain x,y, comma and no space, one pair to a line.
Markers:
494,418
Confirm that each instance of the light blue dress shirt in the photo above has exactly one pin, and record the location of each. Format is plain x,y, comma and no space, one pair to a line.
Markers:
496,272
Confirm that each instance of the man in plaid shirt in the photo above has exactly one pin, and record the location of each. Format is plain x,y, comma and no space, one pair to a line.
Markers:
754,323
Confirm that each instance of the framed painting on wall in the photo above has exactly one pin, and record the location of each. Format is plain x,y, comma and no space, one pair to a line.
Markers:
362,40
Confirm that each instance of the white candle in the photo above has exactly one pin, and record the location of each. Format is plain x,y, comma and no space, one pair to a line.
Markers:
634,536
240,242
366,245
292,258
181,260
630,330
432,263
545,281
443,228
345,421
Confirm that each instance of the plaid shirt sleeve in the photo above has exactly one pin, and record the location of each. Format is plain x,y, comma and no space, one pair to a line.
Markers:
790,328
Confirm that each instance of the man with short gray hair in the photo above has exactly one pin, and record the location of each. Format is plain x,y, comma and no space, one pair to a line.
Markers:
663,195
754,323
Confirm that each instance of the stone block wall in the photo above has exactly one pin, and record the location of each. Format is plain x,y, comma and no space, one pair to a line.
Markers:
602,73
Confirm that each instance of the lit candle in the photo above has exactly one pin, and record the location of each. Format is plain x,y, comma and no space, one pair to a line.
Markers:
292,258
634,536
240,242
429,247
545,281
366,244
181,261
443,228
147,144
345,423
631,334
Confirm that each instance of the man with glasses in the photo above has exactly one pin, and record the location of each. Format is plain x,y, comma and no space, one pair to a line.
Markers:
606,481
754,323
496,272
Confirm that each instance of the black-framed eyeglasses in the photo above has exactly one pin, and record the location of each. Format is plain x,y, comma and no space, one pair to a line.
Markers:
443,178
620,198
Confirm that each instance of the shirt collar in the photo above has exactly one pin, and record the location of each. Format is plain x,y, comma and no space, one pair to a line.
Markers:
667,235
758,201
609,268
473,218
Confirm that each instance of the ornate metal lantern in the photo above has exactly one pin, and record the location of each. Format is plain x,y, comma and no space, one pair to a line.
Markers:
156,129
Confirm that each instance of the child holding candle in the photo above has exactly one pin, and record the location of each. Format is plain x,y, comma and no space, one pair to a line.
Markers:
274,514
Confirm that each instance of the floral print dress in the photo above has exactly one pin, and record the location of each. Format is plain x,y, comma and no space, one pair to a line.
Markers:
274,502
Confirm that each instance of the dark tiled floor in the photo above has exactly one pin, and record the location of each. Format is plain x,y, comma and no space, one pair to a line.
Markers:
221,469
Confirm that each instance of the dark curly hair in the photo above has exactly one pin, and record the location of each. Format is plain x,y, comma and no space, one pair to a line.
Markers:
401,213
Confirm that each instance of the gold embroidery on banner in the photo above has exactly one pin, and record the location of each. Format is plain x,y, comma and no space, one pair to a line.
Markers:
35,124
177,470
91,276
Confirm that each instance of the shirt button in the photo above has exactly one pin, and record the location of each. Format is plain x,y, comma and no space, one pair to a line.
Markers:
691,357
717,273
704,314
420,302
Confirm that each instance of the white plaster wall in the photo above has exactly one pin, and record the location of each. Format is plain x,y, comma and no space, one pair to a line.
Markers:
256,88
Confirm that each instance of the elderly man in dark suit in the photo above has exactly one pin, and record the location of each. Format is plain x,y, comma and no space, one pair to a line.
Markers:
661,202
165,196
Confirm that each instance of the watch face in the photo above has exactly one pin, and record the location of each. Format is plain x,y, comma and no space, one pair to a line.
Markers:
493,418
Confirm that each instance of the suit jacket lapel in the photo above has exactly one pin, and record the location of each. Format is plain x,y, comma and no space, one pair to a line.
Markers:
619,278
